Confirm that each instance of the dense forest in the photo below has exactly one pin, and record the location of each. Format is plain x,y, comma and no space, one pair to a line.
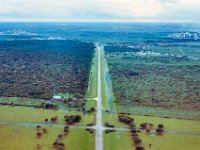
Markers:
151,78
38,69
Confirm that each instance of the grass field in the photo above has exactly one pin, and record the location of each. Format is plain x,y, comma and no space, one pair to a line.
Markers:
22,101
103,83
122,139
92,86
170,124
159,111
104,66
117,141
91,103
171,142
23,114
13,137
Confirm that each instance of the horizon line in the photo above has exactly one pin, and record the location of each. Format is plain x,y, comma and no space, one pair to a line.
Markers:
100,21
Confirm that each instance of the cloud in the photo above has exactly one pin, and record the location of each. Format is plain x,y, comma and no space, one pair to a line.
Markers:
65,10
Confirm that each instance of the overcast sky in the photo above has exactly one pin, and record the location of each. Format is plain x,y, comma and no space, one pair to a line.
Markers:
100,10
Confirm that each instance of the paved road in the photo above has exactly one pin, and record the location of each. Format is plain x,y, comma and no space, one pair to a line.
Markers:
99,127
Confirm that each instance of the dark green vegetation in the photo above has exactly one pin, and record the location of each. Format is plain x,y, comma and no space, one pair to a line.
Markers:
40,69
161,76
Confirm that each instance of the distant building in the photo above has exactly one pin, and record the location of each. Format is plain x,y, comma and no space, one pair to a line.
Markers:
57,97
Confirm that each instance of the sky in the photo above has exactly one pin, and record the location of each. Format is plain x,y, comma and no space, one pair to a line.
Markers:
101,10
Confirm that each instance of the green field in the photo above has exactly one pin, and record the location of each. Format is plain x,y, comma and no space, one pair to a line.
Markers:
32,115
122,139
103,83
178,125
104,66
160,111
92,86
23,138
22,101
117,141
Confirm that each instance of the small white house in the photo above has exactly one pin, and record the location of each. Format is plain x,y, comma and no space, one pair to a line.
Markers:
57,97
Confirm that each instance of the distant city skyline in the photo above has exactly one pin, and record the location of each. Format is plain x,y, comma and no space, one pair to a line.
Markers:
100,10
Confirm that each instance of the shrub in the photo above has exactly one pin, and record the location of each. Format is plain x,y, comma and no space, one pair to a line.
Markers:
90,124
90,130
148,130
126,120
44,130
137,141
54,119
134,135
66,129
139,148
160,126
133,131
72,119
59,146
38,147
150,125
38,127
92,109
109,125
46,120
39,134
159,130
143,125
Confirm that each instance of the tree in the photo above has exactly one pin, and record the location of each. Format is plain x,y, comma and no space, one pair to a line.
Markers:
92,109
159,131
38,127
46,120
44,130
54,119
148,130
143,125
39,134
160,126
66,129
137,141
133,131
